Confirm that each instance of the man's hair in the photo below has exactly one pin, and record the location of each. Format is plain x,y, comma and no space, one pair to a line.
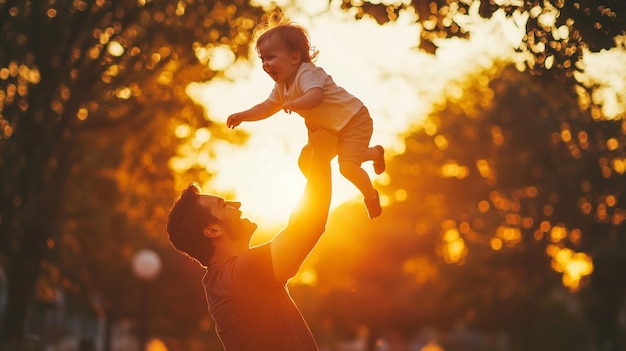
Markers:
185,225
292,36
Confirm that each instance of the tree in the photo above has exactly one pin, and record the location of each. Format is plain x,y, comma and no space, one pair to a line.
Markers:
507,195
557,32
84,84
579,165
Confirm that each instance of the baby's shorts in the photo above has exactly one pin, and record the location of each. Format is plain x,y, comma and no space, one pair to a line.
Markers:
354,138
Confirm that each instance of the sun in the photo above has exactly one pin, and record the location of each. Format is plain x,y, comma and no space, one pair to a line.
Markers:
264,177
263,174
380,66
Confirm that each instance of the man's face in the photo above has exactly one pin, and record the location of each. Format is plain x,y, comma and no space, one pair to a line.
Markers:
228,215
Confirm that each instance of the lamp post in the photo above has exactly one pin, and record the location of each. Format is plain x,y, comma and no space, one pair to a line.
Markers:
146,266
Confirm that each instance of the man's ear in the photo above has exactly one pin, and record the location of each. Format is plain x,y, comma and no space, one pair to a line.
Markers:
212,231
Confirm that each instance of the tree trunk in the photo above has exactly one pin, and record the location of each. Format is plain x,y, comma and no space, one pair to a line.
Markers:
22,271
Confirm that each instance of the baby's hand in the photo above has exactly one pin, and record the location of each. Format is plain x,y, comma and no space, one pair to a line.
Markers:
288,106
233,120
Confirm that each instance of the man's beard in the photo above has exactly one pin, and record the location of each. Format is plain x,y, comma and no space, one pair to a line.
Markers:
244,228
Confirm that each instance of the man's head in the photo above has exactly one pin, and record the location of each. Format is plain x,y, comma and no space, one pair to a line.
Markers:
196,221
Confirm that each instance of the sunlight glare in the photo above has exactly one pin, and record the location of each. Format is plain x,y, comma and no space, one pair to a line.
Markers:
431,346
607,70
574,265
379,64
156,345
220,57
115,49
264,174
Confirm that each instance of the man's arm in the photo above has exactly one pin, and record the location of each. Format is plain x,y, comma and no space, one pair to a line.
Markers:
308,220
255,113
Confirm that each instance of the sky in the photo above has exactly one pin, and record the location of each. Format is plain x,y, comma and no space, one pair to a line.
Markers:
378,64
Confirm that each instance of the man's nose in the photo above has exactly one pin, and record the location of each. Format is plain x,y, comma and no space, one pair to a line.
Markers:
235,204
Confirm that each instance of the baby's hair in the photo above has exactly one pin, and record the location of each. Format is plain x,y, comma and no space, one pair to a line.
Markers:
293,36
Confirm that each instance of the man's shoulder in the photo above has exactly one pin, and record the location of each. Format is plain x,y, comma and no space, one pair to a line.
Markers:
250,270
255,253
259,252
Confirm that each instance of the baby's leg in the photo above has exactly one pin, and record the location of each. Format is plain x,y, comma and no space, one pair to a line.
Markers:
357,176
353,149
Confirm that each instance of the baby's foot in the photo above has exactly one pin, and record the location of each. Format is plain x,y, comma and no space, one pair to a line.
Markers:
379,163
373,206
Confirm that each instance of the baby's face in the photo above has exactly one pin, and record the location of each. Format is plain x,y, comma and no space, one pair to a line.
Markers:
280,64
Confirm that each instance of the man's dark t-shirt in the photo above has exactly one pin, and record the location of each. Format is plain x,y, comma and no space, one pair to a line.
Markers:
251,310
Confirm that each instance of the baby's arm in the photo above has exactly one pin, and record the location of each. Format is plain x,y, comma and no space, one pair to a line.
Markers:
311,99
255,113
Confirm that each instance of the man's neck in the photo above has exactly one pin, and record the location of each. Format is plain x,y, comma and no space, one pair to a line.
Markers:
226,250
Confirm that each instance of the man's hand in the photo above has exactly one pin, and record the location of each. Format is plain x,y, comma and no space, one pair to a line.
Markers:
323,144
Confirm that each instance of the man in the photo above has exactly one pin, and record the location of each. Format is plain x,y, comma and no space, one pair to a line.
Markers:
246,287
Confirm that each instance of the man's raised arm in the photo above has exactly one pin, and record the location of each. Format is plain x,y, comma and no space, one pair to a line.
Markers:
308,220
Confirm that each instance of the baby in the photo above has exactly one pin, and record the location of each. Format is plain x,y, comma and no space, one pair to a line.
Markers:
308,90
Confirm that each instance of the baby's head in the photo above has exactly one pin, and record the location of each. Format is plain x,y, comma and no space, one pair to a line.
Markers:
293,37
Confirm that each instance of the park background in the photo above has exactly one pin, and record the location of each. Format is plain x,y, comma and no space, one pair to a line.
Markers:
503,223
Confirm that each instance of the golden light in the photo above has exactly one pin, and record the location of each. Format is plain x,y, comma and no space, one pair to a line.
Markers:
124,93
220,57
182,131
422,269
573,265
453,248
510,236
483,206
202,54
306,276
263,174
431,346
483,168
156,345
82,114
401,195
610,80
115,49
611,200
452,169
398,84
557,234
496,244
165,78
619,165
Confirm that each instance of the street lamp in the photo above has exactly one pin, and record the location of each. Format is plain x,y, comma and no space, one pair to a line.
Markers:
146,266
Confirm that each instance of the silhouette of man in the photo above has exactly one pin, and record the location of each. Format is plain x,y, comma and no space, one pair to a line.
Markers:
246,287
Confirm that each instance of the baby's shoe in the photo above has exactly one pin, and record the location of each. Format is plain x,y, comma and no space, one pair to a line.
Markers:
373,206
379,163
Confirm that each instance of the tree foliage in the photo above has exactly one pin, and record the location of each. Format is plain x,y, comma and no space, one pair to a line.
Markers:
91,92
505,192
93,107
557,31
